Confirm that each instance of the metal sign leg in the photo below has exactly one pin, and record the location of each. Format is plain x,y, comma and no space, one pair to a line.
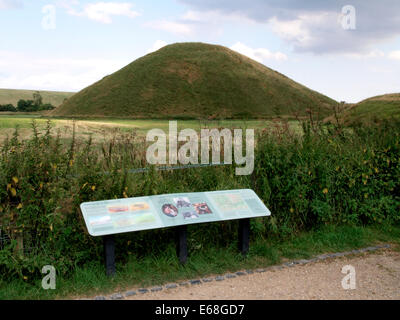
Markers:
181,244
109,254
244,235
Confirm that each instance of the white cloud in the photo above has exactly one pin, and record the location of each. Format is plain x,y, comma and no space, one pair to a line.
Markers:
24,71
394,55
194,22
215,17
102,11
369,54
260,54
316,26
10,4
156,46
171,26
299,31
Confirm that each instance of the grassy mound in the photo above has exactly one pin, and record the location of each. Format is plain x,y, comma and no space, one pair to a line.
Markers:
377,108
13,96
194,80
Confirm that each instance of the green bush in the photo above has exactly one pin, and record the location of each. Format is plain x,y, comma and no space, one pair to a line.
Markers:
26,106
7,107
325,176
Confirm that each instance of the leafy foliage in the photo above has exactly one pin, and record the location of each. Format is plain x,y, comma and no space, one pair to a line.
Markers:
33,105
7,107
326,176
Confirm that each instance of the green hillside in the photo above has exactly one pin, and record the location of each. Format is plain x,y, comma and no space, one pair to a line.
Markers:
12,96
376,108
194,80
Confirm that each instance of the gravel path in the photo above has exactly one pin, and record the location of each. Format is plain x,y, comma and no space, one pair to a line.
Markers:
377,277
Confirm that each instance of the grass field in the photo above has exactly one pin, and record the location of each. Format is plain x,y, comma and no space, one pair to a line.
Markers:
13,95
98,129
158,270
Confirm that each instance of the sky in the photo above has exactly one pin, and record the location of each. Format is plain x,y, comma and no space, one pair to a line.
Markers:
348,50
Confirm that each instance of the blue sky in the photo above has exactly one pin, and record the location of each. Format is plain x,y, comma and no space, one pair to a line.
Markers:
67,45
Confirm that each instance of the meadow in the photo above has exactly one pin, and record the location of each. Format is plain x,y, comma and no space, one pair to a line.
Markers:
328,187
102,129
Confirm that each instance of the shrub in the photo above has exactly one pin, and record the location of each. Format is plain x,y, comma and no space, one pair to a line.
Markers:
26,106
327,175
7,107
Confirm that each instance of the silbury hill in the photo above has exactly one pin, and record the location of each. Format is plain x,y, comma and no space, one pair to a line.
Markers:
198,81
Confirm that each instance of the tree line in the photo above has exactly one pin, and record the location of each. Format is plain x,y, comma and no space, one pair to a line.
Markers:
36,104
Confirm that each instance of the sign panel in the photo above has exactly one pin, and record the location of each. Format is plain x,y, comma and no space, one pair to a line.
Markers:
168,210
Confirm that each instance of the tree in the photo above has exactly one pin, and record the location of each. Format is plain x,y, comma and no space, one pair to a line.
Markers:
46,106
26,106
7,107
37,98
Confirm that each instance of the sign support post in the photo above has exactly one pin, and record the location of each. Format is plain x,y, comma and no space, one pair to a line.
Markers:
244,235
181,244
109,254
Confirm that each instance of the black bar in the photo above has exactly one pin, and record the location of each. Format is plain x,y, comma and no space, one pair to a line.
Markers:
244,235
181,244
109,254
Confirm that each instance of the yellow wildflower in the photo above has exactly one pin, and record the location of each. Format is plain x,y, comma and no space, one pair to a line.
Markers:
325,191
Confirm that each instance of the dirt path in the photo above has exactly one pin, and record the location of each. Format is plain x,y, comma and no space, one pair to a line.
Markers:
377,277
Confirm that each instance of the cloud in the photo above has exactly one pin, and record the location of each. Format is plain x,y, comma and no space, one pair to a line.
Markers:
367,55
171,26
260,54
100,11
156,46
315,25
195,22
25,71
213,17
394,55
10,4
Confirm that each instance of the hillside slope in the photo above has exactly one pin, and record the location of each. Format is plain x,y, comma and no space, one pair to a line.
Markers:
14,95
376,108
194,80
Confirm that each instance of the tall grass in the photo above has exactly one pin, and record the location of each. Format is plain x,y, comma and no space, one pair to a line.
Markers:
328,175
